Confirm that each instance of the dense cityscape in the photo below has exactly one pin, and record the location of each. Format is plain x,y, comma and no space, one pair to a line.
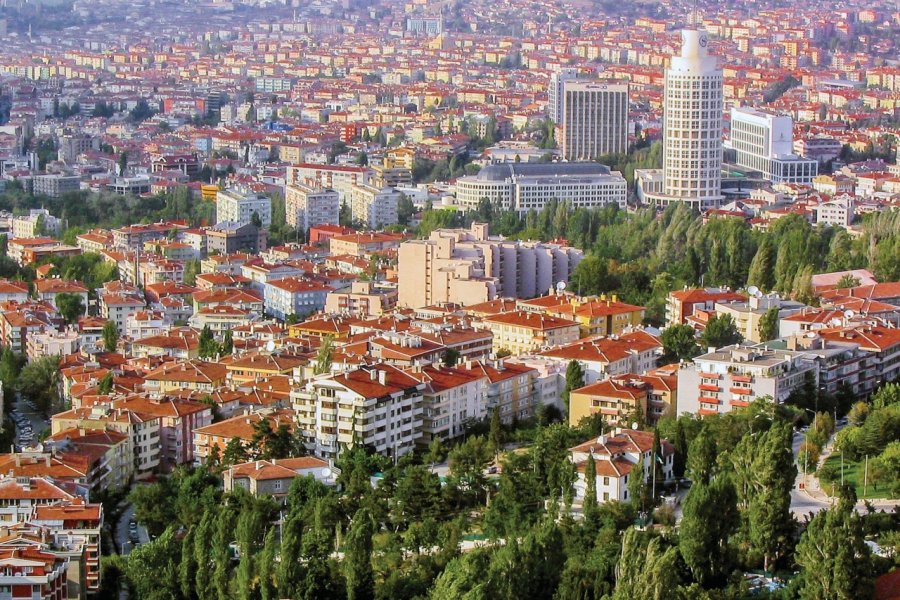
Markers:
438,300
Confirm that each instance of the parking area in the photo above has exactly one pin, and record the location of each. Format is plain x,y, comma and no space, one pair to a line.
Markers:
29,422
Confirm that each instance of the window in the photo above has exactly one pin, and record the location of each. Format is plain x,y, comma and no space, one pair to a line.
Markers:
277,485
606,481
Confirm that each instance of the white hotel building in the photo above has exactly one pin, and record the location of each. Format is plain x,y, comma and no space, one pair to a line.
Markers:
764,143
692,130
525,186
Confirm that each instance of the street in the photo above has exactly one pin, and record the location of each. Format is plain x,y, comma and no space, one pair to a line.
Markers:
31,417
123,540
801,502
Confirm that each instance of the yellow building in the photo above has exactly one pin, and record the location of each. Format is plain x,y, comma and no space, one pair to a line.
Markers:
602,316
194,375
521,332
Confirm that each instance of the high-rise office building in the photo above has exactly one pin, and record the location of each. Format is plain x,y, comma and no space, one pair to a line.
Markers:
555,92
765,143
692,130
594,119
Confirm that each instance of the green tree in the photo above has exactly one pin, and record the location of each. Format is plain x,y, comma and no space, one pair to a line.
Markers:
679,462
227,344
770,520
710,516
405,209
71,306
152,568
110,335
646,569
574,380
106,384
187,567
191,270
701,458
768,325
834,559
266,567
590,486
39,381
208,348
720,331
679,342
358,571
495,435
324,356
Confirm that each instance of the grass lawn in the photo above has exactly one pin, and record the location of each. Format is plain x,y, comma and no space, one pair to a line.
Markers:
854,474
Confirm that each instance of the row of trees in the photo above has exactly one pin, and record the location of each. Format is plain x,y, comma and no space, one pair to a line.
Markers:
402,539
642,256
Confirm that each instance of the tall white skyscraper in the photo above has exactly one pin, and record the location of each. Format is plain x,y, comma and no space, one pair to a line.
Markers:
594,119
692,129
555,92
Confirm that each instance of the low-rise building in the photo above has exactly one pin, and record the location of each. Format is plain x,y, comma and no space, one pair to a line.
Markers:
521,332
734,376
615,459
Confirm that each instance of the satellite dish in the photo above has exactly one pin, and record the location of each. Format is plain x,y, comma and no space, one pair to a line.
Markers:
849,314
326,472
560,286
753,290
270,346
759,294
836,322
634,425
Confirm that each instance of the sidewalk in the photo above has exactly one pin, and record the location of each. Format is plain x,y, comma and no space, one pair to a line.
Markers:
813,488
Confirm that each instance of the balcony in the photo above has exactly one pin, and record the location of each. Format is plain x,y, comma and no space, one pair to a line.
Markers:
740,391
709,400
742,378
705,387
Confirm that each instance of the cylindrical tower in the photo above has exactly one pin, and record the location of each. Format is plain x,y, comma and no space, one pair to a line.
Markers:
692,125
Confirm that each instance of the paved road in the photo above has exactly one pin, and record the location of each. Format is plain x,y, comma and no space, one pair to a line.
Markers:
37,420
122,532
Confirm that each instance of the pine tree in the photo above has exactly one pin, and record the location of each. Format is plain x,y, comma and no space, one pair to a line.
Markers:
358,558
709,518
574,380
203,556
590,486
701,458
761,267
209,348
188,565
290,569
645,570
681,450
266,567
495,435
835,561
110,336
227,343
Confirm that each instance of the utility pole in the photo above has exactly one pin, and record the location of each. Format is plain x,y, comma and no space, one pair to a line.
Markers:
866,477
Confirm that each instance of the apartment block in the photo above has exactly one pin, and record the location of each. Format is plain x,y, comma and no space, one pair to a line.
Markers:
734,376
622,397
239,205
378,406
469,267
307,206
374,207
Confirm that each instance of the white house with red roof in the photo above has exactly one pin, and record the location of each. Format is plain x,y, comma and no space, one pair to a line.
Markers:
615,459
